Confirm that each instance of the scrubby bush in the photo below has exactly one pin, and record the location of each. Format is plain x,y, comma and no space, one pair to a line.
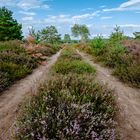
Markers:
15,63
70,61
129,74
75,66
114,55
69,107
98,46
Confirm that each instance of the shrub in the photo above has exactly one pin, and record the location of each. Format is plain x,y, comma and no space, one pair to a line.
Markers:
114,55
15,63
98,46
12,46
71,62
69,107
129,74
75,66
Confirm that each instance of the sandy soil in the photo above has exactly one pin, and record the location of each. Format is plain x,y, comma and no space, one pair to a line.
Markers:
13,97
128,100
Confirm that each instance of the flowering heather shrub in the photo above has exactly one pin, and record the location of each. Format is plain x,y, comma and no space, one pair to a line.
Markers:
15,63
75,66
70,61
129,74
69,107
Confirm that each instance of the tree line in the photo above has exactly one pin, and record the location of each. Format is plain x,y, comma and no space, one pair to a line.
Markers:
10,29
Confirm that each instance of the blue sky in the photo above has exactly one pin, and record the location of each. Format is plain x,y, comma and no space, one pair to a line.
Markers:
100,16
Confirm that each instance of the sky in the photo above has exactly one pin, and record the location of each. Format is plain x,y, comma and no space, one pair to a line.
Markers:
101,16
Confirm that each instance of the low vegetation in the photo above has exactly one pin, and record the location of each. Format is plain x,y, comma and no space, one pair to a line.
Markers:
119,53
17,60
70,62
70,106
15,63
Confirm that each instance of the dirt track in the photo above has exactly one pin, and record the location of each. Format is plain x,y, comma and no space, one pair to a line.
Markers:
128,100
10,99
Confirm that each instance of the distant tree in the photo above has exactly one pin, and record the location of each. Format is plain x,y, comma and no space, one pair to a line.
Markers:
67,38
137,35
50,35
117,35
80,31
9,27
35,35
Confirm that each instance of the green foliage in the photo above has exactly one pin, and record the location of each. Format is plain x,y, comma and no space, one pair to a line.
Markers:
15,63
117,36
67,38
69,107
50,35
114,54
129,74
75,66
124,59
9,27
98,46
70,62
80,31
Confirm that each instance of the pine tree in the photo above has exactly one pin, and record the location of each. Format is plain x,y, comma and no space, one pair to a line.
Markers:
9,27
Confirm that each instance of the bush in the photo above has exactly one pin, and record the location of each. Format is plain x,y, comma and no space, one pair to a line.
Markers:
70,62
98,46
75,66
69,107
129,74
15,63
12,46
114,55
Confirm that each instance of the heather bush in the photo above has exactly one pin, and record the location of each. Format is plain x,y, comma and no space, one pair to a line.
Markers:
114,55
129,74
70,61
15,63
69,107
75,66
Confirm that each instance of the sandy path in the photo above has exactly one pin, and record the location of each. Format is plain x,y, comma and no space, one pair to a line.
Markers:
10,99
128,99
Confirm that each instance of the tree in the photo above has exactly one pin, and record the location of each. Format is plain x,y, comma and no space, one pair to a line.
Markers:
9,27
50,35
80,31
67,38
117,35
137,35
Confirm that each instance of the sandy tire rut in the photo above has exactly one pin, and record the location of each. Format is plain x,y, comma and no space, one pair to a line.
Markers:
10,99
128,100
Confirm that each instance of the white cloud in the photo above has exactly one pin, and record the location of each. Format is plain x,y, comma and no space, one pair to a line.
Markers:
27,18
130,25
27,13
31,4
86,16
103,18
129,5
